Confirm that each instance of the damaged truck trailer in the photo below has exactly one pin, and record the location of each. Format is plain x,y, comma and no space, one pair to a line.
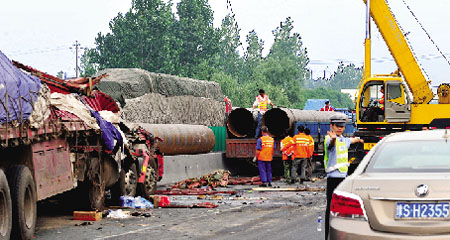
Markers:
56,135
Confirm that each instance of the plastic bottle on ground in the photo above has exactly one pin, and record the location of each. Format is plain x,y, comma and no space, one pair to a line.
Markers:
319,223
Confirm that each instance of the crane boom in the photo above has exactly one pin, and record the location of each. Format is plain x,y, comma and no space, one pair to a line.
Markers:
403,56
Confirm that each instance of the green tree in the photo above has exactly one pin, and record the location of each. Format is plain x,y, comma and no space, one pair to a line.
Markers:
141,38
60,74
87,66
346,76
196,34
253,56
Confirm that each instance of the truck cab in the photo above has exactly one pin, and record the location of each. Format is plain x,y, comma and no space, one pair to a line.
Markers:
383,99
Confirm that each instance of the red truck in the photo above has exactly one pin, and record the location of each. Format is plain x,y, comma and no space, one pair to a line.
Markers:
42,156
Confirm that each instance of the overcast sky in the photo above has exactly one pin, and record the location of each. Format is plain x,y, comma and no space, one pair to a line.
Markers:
40,33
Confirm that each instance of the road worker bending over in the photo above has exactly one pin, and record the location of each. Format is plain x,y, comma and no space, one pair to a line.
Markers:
287,149
336,159
264,153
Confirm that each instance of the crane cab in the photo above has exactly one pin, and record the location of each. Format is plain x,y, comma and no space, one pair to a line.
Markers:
383,99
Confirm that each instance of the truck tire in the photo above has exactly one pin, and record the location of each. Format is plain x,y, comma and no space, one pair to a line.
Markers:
23,196
130,180
148,188
5,208
126,185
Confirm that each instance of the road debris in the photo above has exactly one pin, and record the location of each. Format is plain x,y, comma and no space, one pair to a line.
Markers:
87,215
289,189
214,179
118,214
135,202
196,191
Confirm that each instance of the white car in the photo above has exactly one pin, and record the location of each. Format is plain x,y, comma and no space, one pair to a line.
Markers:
401,190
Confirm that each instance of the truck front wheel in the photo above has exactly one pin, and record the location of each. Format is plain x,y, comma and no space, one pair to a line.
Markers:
23,196
5,207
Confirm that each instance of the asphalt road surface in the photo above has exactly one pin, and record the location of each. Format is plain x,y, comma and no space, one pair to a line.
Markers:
253,215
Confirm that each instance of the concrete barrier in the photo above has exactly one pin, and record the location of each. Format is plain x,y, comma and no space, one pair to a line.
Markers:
181,167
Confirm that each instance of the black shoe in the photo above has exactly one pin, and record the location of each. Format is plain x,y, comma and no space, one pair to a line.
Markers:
263,185
292,182
270,184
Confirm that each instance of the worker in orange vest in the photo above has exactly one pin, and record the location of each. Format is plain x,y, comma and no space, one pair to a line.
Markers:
310,149
287,149
261,102
301,150
264,153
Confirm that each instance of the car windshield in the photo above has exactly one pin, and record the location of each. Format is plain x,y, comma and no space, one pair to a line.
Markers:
411,156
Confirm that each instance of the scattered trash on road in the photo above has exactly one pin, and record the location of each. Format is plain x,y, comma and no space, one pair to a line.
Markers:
118,214
87,215
214,179
135,202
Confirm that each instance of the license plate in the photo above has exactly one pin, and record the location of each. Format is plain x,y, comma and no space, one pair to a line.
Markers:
405,210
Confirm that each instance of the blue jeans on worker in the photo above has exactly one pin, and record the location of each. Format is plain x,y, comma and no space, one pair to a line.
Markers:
265,171
258,126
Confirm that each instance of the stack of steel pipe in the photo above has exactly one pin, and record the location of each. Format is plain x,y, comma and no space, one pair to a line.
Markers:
182,138
241,121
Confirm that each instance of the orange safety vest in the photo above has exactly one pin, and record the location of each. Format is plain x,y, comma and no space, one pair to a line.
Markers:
266,152
301,146
382,102
287,148
262,102
311,145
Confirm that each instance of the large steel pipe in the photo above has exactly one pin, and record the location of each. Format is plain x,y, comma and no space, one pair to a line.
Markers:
182,138
280,120
241,122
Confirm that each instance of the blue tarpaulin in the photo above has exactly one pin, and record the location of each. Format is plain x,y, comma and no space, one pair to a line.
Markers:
18,91
109,132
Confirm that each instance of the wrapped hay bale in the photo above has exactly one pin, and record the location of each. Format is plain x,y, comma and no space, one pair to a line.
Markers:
158,109
130,83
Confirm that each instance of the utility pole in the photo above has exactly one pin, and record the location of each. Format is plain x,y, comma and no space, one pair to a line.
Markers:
76,45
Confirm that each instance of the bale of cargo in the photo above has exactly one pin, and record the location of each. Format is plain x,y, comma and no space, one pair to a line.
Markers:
182,138
158,109
127,83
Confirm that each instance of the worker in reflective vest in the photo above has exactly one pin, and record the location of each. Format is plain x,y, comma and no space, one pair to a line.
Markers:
336,158
300,155
310,153
264,153
327,107
287,149
261,102
310,143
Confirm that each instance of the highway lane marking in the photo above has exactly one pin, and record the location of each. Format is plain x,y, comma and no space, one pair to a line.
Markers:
160,225
129,232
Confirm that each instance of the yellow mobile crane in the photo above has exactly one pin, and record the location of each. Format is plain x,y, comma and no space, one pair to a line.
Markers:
384,103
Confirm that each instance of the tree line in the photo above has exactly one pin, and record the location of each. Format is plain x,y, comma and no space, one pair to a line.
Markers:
151,37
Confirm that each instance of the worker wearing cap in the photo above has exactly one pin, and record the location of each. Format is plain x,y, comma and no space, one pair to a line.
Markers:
336,158
327,107
287,149
261,103
264,153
